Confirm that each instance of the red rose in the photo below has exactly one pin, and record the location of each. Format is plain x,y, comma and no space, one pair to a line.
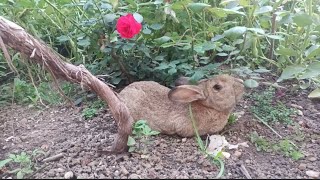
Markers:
127,26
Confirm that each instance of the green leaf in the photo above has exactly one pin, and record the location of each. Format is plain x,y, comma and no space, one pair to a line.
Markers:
296,155
63,38
315,66
132,148
302,20
12,156
276,37
109,18
234,11
257,30
114,3
84,42
315,93
163,39
290,71
287,52
263,9
116,80
159,58
244,2
217,37
222,54
152,133
131,141
197,7
172,71
4,162
308,74
156,26
218,12
105,6
146,31
138,17
208,46
314,50
261,70
197,75
250,83
235,31
20,175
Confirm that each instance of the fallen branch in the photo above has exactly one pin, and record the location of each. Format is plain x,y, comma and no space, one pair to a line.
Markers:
18,39
53,158
244,171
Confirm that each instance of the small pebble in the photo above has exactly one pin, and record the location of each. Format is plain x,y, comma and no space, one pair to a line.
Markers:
313,174
134,176
299,112
312,158
68,175
302,166
237,154
247,161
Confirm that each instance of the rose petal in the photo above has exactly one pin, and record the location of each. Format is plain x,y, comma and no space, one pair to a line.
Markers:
127,26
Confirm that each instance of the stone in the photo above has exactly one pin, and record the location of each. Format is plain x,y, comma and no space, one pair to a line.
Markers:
312,158
68,175
124,170
302,166
313,174
51,173
237,154
134,176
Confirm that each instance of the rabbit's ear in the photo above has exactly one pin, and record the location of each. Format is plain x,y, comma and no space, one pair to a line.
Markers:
186,94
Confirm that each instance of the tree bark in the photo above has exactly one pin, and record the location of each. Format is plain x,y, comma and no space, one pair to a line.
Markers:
18,39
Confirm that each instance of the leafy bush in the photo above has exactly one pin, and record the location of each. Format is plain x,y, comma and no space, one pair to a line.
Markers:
183,37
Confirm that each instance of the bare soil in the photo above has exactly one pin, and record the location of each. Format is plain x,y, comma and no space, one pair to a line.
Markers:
60,129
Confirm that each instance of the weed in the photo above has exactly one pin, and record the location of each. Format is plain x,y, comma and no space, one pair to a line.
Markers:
271,111
260,142
24,162
92,110
89,113
217,159
141,131
232,119
284,147
98,104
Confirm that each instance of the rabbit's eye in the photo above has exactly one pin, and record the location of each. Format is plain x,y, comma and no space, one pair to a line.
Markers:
217,87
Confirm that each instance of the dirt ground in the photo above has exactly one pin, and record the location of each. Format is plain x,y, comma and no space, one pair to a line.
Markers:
61,129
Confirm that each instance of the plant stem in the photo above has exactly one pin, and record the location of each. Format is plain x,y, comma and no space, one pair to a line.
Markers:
192,35
196,129
72,22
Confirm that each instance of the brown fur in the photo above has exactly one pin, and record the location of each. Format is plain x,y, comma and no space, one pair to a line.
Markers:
167,110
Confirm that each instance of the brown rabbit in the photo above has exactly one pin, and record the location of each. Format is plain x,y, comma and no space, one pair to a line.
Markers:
167,111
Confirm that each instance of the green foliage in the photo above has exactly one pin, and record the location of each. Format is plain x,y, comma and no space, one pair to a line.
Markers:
141,131
216,159
92,110
23,161
23,92
270,110
260,142
232,119
178,37
89,112
284,147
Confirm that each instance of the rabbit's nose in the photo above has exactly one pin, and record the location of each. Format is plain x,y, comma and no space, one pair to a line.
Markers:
239,80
